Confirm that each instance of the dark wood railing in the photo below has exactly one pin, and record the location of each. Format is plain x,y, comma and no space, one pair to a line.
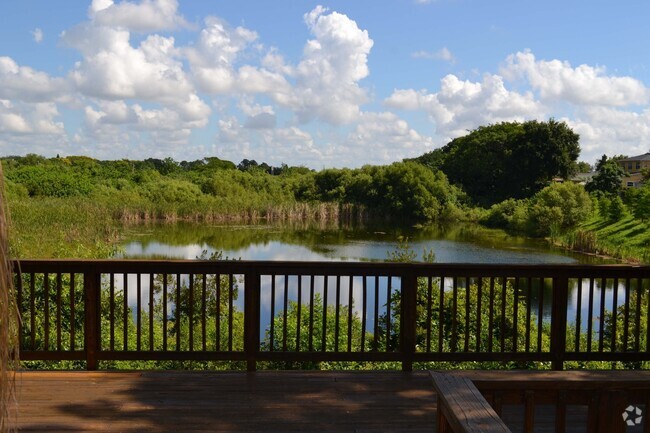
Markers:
592,401
102,310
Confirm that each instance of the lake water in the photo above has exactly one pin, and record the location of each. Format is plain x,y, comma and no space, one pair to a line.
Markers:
460,243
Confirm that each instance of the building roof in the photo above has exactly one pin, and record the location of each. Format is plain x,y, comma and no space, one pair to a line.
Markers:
644,157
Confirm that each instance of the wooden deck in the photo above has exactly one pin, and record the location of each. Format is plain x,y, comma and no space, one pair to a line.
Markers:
306,401
226,402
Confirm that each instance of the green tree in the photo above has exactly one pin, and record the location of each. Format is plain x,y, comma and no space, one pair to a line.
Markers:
639,202
608,178
560,206
509,159
616,209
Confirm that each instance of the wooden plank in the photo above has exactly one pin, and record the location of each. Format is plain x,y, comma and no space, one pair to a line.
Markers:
463,407
159,401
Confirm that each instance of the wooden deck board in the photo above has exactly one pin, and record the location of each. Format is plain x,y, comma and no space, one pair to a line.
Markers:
226,402
265,401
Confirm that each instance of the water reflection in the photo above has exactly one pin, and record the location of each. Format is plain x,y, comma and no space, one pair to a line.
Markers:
458,243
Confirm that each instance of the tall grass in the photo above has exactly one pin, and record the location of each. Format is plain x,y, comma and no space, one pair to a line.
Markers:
8,324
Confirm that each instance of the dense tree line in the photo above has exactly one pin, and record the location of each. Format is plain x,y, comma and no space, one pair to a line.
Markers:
507,160
166,188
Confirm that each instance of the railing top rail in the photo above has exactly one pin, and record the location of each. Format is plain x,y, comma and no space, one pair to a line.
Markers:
333,268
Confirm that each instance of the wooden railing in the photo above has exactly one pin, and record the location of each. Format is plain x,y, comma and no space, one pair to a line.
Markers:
527,401
307,312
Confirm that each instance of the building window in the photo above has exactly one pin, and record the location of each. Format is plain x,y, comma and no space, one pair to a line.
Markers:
629,166
630,184
638,165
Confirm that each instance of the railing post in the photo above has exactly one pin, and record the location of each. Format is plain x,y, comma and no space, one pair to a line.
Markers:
408,319
92,310
559,320
251,318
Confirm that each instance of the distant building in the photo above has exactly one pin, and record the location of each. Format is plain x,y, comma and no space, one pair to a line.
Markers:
633,167
583,178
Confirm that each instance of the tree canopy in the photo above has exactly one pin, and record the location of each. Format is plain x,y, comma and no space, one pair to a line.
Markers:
608,178
508,159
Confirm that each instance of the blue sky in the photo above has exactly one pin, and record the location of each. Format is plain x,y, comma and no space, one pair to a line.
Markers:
321,84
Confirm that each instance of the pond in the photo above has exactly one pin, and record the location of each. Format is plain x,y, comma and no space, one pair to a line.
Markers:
457,243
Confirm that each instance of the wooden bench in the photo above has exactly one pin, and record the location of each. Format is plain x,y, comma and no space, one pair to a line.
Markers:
462,408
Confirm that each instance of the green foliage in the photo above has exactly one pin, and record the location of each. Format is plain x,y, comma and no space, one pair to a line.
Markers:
555,209
560,206
616,209
608,178
511,214
507,160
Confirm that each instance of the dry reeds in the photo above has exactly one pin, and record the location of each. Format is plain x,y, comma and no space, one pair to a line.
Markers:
8,324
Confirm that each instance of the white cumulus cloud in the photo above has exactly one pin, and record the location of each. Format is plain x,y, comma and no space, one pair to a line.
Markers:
583,85
462,105
144,16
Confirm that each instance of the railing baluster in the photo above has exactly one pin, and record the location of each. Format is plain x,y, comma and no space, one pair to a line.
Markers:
337,313
251,318
389,289
364,310
647,348
529,303
614,315
111,301
272,333
504,291
468,301
324,335
32,310
479,306
637,315
190,312
626,317
59,324
138,323
73,325
540,314
204,307
441,315
231,291
125,317
151,313
311,313
350,301
491,316
578,315
601,329
164,306
376,335
47,311
285,308
218,315
429,316
590,318
177,312
454,315
299,313
515,313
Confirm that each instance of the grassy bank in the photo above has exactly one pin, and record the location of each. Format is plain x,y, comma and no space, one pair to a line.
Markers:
627,239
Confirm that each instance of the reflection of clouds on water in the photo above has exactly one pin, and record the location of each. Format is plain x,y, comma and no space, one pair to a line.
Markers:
157,249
